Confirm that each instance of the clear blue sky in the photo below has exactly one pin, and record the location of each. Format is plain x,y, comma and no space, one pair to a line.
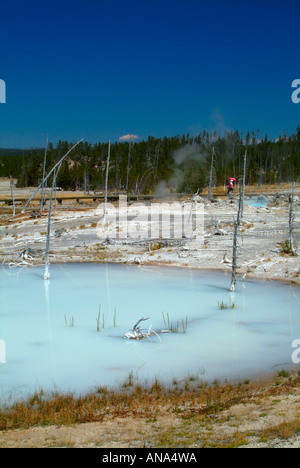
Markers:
101,69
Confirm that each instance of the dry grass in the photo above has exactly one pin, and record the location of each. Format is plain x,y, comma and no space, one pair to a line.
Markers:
283,430
191,399
187,414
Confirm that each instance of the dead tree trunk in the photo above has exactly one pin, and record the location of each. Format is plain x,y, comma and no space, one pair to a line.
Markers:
106,182
46,178
243,186
85,181
128,166
211,173
56,172
47,273
291,221
234,251
44,184
12,196
157,149
117,173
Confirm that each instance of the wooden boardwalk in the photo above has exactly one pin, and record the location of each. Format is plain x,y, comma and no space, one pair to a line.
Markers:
81,198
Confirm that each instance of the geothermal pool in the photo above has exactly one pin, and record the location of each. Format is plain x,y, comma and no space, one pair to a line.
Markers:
258,202
55,340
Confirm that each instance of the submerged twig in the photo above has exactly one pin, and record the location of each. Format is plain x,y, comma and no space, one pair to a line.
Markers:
138,333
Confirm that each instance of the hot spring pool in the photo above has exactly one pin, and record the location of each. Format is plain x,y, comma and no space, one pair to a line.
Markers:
257,202
52,342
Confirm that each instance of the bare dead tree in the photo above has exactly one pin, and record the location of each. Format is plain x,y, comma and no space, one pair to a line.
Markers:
211,173
44,184
106,182
85,184
47,273
234,250
117,172
243,186
57,169
51,172
291,221
12,195
86,175
128,165
157,151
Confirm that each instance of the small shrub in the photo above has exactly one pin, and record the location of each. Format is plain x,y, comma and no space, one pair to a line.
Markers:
283,373
285,247
155,246
129,382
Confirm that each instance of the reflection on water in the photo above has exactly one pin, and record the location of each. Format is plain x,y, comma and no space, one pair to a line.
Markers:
51,336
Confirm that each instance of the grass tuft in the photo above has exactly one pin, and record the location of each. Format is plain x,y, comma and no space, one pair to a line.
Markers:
223,306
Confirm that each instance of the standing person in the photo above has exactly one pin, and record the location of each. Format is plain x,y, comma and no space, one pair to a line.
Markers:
230,187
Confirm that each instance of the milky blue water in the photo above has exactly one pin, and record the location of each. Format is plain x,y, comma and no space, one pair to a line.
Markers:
257,201
51,338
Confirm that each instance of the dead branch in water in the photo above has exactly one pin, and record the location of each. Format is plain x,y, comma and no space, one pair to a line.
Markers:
138,333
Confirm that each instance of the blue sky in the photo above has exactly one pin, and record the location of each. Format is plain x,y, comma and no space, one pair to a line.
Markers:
101,69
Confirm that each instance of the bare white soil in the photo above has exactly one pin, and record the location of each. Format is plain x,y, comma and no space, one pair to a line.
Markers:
77,235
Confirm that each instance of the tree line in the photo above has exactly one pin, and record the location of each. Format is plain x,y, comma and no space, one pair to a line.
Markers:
181,163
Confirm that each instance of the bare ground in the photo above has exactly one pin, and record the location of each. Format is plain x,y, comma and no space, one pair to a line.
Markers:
270,418
77,235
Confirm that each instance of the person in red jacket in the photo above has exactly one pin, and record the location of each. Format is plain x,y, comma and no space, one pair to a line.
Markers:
230,186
